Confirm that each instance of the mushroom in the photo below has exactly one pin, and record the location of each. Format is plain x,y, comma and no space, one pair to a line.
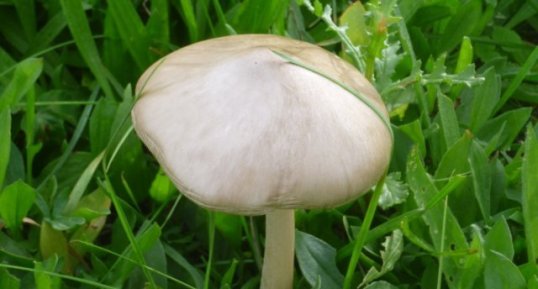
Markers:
262,124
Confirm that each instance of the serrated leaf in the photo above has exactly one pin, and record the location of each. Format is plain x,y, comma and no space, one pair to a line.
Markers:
393,248
394,191
386,64
317,260
353,19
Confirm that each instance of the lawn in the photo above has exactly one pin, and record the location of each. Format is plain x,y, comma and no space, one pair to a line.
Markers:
84,204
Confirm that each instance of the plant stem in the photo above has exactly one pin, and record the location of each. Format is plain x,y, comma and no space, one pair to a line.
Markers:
211,234
363,232
277,271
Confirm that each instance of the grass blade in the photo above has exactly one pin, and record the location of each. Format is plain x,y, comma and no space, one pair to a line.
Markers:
80,29
530,193
82,184
131,29
63,276
363,234
128,231
518,79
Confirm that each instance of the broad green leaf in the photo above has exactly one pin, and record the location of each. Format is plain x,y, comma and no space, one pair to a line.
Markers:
505,35
93,208
481,175
381,285
8,281
15,202
509,124
454,161
87,233
393,248
93,205
501,273
394,191
485,98
499,239
156,259
52,242
414,131
423,188
80,30
44,280
15,167
65,223
473,264
25,76
10,247
529,179
449,120
461,24
317,259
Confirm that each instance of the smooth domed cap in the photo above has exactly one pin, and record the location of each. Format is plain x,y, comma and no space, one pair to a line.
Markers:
241,129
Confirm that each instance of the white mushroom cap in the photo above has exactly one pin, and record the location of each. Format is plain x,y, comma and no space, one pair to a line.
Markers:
238,128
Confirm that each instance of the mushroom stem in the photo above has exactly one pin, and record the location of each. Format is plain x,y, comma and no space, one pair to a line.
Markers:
277,271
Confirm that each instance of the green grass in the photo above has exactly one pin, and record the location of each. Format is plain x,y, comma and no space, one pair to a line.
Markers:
84,205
